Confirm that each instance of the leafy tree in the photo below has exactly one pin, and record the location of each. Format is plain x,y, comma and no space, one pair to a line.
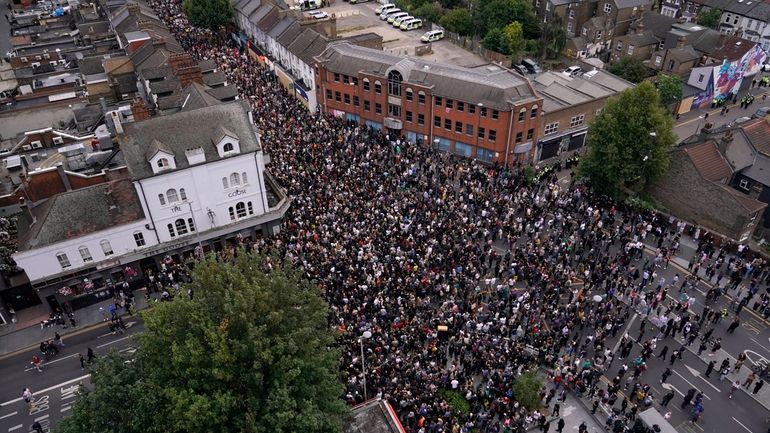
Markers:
526,390
622,147
669,88
554,37
710,18
495,40
496,14
429,11
250,353
630,68
513,35
458,20
210,14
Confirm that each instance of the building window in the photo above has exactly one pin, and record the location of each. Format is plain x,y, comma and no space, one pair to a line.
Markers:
630,50
599,34
483,112
744,184
191,224
463,149
409,116
607,8
240,209
328,94
420,119
171,196
354,80
338,96
244,181
437,122
251,208
394,110
181,227
485,155
162,163
492,135
659,60
522,114
366,84
171,231
471,109
571,14
421,97
576,120
106,247
569,27
619,46
85,254
409,94
228,147
495,114
460,106
225,185
162,199
346,98
336,77
448,124
551,128
367,106
482,132
671,64
355,101
458,127
345,79
394,83
377,87
182,194
139,239
64,261
232,213
438,100
449,103
530,133
378,108
519,137
469,129
533,112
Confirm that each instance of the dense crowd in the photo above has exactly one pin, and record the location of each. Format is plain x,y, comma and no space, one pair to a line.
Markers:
465,274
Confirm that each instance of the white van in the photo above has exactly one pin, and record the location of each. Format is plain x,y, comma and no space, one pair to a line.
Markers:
387,13
412,24
384,7
432,36
358,1
399,16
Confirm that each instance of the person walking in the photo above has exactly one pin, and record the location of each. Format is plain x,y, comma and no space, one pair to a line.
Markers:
750,379
57,340
665,375
710,368
36,427
723,373
26,394
560,426
663,352
734,387
37,362
734,325
555,411
82,361
758,386
667,399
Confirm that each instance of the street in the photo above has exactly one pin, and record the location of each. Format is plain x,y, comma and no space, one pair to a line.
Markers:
689,127
55,388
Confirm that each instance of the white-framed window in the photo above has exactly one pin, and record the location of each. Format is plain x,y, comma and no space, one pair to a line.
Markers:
607,8
139,239
585,31
599,34
235,179
658,60
240,209
162,163
631,50
162,199
569,27
537,3
64,261
744,184
228,147
548,6
182,194
577,120
225,184
171,231
244,179
571,14
106,247
181,227
191,224
251,208
171,196
232,213
619,46
551,128
85,254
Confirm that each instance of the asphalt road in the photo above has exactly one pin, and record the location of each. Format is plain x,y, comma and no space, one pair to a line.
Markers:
54,389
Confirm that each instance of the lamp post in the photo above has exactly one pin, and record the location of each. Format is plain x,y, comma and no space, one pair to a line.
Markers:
364,336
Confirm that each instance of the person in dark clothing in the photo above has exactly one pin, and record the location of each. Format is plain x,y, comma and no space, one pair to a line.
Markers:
556,408
663,352
37,428
667,398
91,355
560,426
688,398
734,325
710,368
665,375
758,386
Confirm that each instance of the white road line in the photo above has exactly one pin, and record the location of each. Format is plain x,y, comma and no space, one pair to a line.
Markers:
40,418
65,408
112,342
16,427
8,415
51,362
741,424
760,344
77,379
690,383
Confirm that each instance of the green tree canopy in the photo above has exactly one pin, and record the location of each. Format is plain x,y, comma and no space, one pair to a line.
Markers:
526,390
250,353
710,18
630,68
495,40
496,14
429,11
554,37
211,14
622,147
669,88
513,35
458,20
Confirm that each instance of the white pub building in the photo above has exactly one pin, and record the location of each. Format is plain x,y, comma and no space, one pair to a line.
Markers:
196,178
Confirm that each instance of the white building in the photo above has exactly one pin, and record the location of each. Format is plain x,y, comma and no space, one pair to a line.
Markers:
197,176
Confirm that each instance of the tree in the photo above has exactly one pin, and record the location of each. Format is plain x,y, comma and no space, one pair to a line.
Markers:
526,390
429,11
710,18
459,21
628,141
513,35
250,353
554,37
669,88
630,68
210,14
496,14
495,40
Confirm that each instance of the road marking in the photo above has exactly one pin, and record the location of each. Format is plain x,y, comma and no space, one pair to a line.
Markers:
691,384
40,418
741,424
760,344
113,342
77,379
16,427
51,362
65,408
8,415
670,387
625,331
696,373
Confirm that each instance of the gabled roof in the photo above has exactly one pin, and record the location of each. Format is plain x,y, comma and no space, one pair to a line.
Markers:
623,4
658,24
643,39
317,47
734,48
269,20
684,54
301,42
749,203
192,97
280,27
290,34
709,162
214,78
220,133
155,147
758,133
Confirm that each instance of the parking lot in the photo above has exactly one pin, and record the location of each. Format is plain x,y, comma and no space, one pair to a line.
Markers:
355,19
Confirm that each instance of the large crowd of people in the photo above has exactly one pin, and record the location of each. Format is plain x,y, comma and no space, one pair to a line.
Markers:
463,274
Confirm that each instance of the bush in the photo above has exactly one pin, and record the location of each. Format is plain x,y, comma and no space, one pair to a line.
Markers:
526,390
456,401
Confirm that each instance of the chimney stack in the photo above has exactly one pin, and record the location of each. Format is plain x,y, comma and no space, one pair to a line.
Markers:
139,109
681,41
26,210
725,141
116,123
185,68
640,28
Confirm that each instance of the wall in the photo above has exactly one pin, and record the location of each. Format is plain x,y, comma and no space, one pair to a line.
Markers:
726,78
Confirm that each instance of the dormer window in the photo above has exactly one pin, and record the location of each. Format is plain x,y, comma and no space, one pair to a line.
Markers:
226,142
228,147
163,163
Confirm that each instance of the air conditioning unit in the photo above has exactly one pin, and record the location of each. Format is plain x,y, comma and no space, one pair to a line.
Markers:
53,63
23,60
58,140
38,58
37,144
35,64
26,147
62,62
46,56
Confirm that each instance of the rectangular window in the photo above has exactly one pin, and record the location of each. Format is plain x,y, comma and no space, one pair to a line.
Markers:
139,239
551,128
448,124
599,34
344,78
336,77
458,127
438,100
366,85
607,8
522,114
744,184
569,27
530,133
106,247
571,14
463,149
377,87
449,103
367,105
408,116
631,50
437,122
421,98
700,76
64,261
409,95
481,133
519,137
495,114
485,155
492,135
469,129
577,120
394,110
85,254
420,119
328,94
355,101
471,109
533,112
460,106
354,80
378,108
346,97
483,112
337,96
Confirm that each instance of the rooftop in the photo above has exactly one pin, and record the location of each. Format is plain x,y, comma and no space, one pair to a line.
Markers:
560,92
758,133
709,162
374,416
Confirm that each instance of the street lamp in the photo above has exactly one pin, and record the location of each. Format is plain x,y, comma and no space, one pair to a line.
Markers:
364,336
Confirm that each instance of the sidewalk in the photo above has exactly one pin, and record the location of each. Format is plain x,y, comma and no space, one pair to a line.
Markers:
28,336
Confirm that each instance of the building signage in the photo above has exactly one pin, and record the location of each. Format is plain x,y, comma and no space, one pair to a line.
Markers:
236,193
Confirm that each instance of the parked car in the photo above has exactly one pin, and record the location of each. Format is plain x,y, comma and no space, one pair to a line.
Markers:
412,24
392,17
358,1
402,19
573,71
521,69
318,15
739,120
387,13
432,36
531,65
762,112
384,7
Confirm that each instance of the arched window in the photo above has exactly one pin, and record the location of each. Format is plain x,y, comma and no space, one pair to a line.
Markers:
162,163
64,261
366,84
182,194
235,179
171,196
251,208
420,97
85,254
244,179
162,199
181,226
106,247
171,231
225,185
522,114
232,213
240,209
394,83
377,87
191,223
409,94
228,147
533,112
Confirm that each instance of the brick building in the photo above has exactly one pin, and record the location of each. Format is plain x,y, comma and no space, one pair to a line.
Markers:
487,113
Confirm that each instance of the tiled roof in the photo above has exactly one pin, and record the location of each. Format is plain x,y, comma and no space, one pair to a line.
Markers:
758,133
711,165
749,203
